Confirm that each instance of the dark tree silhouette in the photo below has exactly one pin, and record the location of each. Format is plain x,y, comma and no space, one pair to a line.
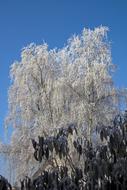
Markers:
4,184
104,166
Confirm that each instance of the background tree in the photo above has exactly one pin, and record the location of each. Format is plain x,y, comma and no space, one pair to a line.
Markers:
51,88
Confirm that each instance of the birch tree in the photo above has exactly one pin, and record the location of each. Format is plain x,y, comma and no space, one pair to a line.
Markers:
51,88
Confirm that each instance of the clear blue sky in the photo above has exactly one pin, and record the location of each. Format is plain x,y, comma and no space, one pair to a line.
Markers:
54,21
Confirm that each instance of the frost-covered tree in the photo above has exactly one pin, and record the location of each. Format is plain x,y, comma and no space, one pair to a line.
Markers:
51,88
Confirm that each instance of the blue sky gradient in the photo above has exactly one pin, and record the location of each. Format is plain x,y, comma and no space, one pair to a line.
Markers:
54,21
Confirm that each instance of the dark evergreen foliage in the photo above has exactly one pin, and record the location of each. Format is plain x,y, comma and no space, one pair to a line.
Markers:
104,166
4,184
